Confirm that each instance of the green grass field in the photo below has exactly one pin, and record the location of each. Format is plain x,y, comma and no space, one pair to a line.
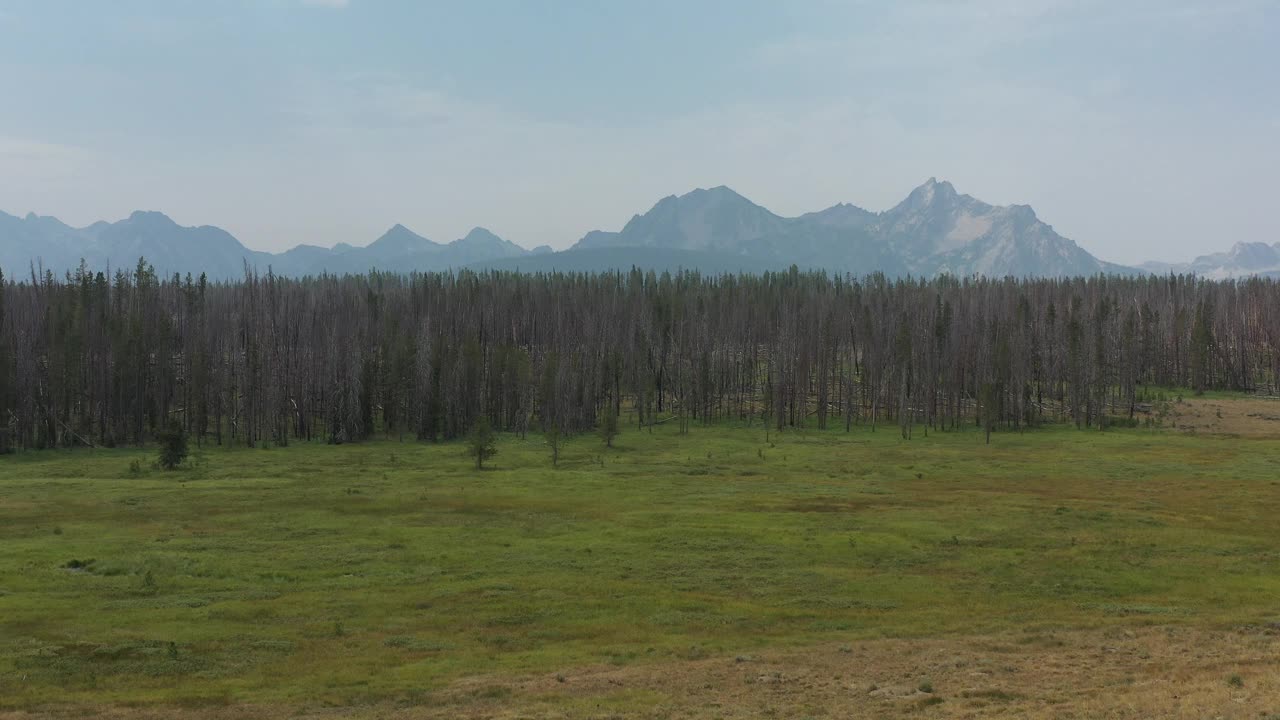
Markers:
385,571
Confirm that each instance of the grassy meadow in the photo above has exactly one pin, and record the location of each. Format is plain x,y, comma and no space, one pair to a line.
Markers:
389,572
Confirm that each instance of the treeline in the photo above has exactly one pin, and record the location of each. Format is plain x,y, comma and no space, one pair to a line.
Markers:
88,359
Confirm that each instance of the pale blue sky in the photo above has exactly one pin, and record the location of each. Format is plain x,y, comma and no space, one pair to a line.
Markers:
1144,129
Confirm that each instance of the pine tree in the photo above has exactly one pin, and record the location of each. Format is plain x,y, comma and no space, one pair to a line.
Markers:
173,445
481,443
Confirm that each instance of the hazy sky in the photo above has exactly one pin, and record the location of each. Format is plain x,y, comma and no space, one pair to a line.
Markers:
1140,129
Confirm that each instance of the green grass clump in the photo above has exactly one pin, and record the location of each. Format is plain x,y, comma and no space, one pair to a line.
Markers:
351,573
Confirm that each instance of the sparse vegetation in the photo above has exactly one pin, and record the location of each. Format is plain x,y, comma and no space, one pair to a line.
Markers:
332,563
502,577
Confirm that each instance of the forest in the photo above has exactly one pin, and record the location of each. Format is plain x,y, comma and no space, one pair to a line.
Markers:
98,359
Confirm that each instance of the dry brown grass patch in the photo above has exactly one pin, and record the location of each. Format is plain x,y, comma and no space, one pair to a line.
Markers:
1243,417
1166,672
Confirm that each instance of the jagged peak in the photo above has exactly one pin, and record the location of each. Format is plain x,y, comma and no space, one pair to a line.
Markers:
935,187
934,219
929,193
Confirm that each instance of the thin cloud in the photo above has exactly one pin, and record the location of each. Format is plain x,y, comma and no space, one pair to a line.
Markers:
14,148
1014,102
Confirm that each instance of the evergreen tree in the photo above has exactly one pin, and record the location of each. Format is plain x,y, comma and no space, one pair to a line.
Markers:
481,442
108,359
173,445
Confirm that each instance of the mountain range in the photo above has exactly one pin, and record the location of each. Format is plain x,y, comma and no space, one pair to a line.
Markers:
170,247
1244,259
934,230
